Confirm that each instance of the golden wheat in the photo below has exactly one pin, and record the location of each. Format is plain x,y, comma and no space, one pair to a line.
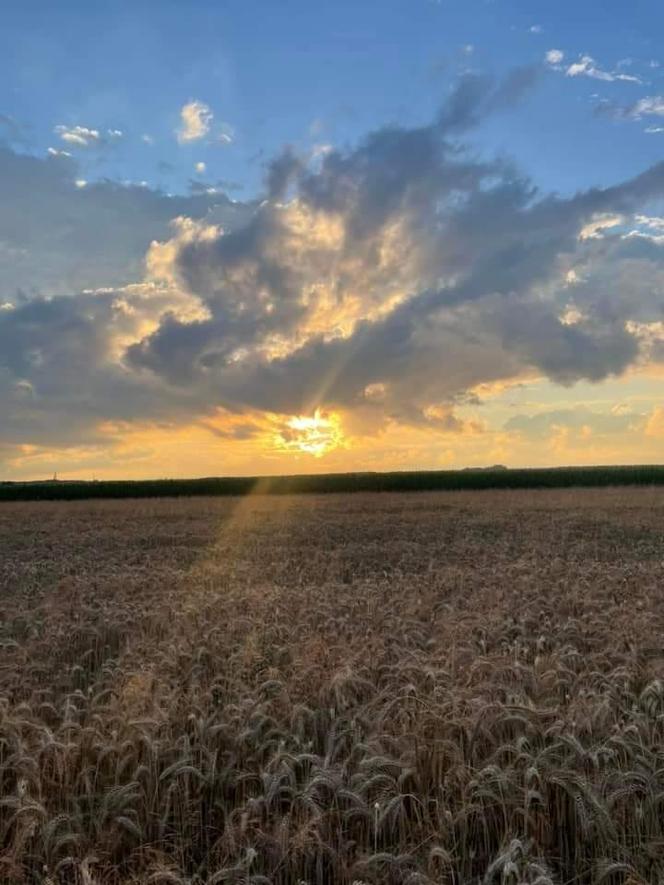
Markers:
420,688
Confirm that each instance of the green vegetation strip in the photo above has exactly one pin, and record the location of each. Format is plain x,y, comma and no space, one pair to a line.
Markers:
426,480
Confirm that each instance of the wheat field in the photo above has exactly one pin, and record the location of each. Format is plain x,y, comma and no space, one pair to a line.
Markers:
462,687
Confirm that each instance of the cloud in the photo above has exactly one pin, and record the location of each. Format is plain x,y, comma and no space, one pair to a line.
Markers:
196,119
651,223
554,56
281,171
60,374
56,238
80,136
383,282
83,137
319,150
651,106
600,223
587,67
476,96
200,168
382,260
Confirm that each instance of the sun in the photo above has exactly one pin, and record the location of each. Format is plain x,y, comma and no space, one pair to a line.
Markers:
314,435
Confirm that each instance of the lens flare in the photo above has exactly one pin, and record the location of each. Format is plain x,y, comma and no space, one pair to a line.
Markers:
312,435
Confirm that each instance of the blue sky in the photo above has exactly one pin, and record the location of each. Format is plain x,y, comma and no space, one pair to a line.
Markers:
307,73
298,236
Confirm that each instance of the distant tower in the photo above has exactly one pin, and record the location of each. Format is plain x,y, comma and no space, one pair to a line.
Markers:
55,476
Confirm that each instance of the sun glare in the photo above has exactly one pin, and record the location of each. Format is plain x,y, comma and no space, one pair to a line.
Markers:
313,435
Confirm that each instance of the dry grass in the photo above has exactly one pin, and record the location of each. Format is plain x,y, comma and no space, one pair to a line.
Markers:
448,688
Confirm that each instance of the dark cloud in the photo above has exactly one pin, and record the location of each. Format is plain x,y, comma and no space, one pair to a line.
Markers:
56,237
405,262
479,227
477,95
60,379
281,172
208,187
566,353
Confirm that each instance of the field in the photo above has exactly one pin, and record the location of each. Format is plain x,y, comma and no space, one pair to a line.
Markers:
442,687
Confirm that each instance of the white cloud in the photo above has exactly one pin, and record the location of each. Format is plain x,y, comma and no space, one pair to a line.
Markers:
196,119
200,168
54,152
535,29
587,67
572,316
147,139
651,106
80,182
554,56
594,229
320,150
652,222
80,136
83,136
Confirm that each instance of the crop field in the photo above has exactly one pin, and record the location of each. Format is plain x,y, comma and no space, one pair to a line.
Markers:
496,477
441,687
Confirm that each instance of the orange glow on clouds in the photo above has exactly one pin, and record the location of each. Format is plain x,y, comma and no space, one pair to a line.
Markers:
256,442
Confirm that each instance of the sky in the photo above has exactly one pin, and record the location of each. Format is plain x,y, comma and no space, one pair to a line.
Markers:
252,237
